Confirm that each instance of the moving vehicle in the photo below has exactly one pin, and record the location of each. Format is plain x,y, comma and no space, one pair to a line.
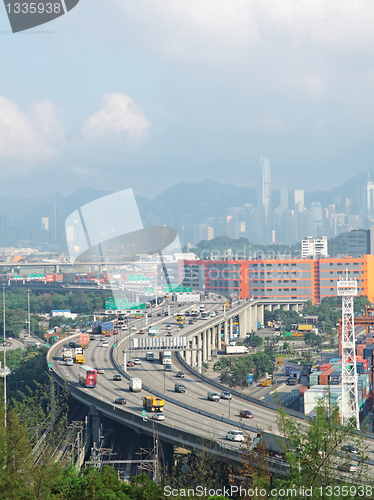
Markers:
69,362
165,357
137,361
79,358
168,327
87,376
117,377
130,363
92,337
167,368
105,344
115,332
135,384
100,371
202,307
226,395
294,378
141,332
191,322
153,331
150,356
158,416
236,349
194,313
67,352
235,436
180,375
213,396
350,449
205,315
153,403
120,401
84,339
181,318
180,388
266,382
347,467
246,414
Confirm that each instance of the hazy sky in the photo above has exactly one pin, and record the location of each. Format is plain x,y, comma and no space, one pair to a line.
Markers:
143,94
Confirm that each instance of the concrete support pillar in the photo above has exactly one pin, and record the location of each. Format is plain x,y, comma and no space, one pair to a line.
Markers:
268,307
230,328
225,340
95,425
276,307
286,307
260,313
209,343
243,324
57,268
199,362
187,357
194,353
200,347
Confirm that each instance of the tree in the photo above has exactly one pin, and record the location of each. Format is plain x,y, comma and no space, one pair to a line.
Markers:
254,340
312,339
314,451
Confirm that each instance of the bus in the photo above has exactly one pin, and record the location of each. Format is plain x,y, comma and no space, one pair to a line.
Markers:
181,318
205,315
87,376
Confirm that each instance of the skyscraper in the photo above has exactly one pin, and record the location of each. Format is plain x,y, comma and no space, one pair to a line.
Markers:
264,209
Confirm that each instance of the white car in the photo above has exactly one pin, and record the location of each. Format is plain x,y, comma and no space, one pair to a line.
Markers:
137,361
133,327
105,344
158,416
235,436
212,314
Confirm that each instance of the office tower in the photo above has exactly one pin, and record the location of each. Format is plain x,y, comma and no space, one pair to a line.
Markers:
278,216
358,243
316,211
298,200
264,209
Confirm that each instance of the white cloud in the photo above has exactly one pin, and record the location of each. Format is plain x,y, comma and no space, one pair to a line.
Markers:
32,137
118,116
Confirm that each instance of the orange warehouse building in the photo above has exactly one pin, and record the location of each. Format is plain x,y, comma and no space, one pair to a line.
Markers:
307,279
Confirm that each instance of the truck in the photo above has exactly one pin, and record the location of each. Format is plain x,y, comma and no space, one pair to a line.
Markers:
266,382
236,349
289,369
153,403
153,331
294,378
84,339
67,352
202,307
107,327
258,325
150,356
304,328
165,357
194,313
135,384
96,327
79,358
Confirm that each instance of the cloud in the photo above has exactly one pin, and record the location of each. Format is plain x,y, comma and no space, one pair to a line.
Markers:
32,137
118,116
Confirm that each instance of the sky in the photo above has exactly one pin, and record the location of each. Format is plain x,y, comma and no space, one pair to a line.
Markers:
118,94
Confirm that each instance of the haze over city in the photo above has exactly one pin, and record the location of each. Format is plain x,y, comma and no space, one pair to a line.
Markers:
146,95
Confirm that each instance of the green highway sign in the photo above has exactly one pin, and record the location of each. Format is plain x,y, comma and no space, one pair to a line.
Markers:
49,364
115,304
114,345
144,413
137,277
39,276
177,289
47,345
148,289
17,276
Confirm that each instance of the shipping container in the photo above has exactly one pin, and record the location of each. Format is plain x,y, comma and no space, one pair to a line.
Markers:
314,378
96,327
59,277
304,388
334,360
324,377
288,369
325,367
49,278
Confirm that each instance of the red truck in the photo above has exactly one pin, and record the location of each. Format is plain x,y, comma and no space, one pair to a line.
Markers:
84,339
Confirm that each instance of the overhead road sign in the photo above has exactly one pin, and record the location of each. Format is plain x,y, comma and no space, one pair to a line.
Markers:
177,289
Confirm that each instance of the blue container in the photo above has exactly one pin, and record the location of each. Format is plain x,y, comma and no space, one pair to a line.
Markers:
360,368
288,369
96,327
107,327
334,360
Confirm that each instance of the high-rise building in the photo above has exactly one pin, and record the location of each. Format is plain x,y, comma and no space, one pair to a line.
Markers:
264,208
314,247
358,243
317,218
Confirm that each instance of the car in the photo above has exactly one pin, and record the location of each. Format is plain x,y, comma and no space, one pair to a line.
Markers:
149,315
191,322
133,327
235,436
108,334
158,416
71,344
120,401
137,361
350,449
102,339
115,332
194,320
180,375
246,414
347,467
158,314
125,327
168,327
166,313
130,363
105,344
100,371
69,362
212,314
92,337
180,327
141,332
226,395
117,377
167,368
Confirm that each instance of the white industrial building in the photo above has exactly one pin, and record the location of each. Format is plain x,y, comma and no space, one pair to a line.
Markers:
314,247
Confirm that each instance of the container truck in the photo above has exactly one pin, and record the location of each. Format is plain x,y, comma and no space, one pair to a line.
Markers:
165,357
67,352
107,327
153,331
150,356
135,384
96,327
84,339
294,378
288,369
153,403
236,349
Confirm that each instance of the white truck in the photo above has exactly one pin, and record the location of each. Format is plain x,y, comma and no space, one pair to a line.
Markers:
67,352
150,356
236,349
165,357
153,331
135,384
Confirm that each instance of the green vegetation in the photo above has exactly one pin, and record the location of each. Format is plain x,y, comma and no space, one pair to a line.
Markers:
234,370
254,340
242,247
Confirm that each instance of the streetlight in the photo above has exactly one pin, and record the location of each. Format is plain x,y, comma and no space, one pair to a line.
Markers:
28,309
4,357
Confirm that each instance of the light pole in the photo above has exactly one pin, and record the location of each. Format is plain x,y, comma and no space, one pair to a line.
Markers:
28,309
5,405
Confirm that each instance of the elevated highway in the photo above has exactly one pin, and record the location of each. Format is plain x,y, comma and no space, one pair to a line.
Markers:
191,419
